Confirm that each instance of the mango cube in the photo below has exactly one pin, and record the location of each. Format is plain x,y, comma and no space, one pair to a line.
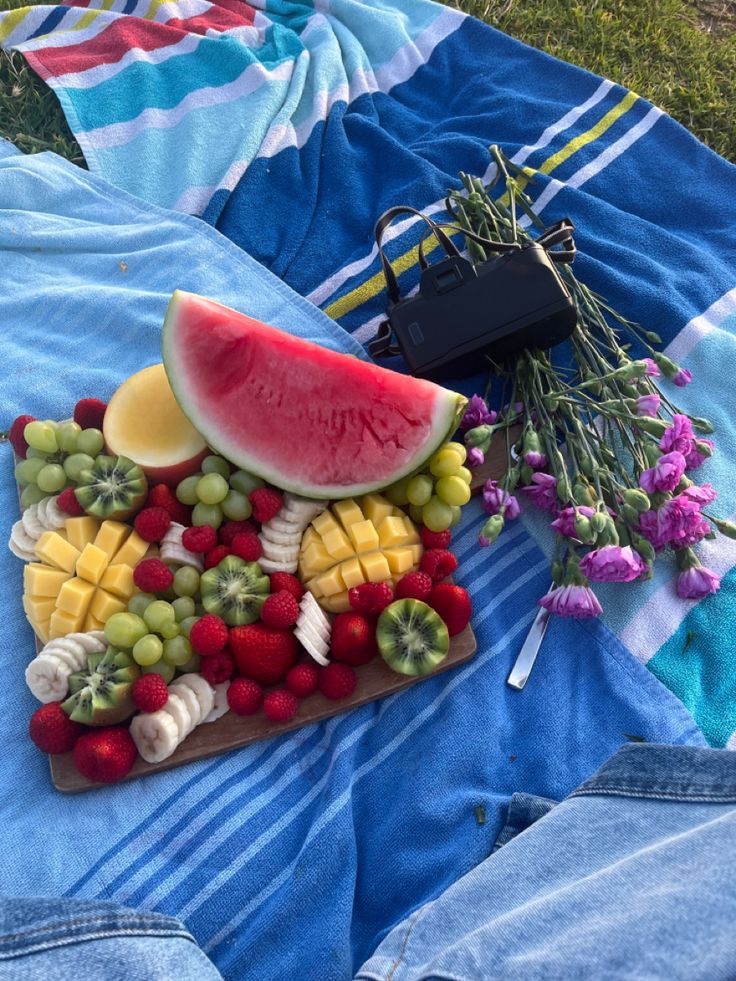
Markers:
118,580
375,566
92,623
75,596
42,580
104,604
54,550
337,543
111,536
337,603
364,536
392,531
62,623
81,531
376,508
399,560
92,563
132,551
315,559
324,523
352,573
416,553
310,537
412,535
331,582
38,609
348,512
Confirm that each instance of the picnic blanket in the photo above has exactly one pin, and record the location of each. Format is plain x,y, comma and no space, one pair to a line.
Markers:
293,857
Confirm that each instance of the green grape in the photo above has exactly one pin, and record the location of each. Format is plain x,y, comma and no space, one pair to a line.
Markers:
207,514
236,506
67,435
76,463
458,448
467,475
437,515
138,603
124,630
170,630
245,482
186,582
31,495
419,489
90,441
191,665
167,671
27,470
148,650
453,491
32,454
186,490
457,514
415,512
212,488
177,650
158,615
183,608
396,493
186,625
41,436
51,478
216,464
445,463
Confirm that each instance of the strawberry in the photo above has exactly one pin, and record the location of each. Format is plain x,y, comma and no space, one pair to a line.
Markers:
414,585
280,610
263,653
152,576
247,547
230,529
280,705
201,538
453,605
90,413
266,503
149,692
215,556
353,639
244,696
303,679
105,755
435,539
371,598
16,437
162,496
208,635
52,730
337,681
438,563
152,523
217,667
285,580
68,503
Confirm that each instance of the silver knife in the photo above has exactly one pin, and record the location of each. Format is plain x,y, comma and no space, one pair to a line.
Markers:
528,654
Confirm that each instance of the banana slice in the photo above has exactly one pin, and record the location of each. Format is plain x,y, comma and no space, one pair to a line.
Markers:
220,706
281,537
311,612
73,661
203,690
50,514
92,641
155,734
306,507
48,678
277,565
171,552
31,523
174,533
20,543
190,700
312,644
177,709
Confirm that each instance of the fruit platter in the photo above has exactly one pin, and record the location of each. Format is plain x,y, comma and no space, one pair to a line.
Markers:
252,536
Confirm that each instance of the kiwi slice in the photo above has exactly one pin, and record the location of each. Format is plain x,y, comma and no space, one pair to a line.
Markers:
114,487
234,590
100,694
411,637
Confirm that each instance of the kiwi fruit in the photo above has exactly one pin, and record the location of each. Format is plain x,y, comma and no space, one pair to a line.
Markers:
235,590
100,694
411,637
114,487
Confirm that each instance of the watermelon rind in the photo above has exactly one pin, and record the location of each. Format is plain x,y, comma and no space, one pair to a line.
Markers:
446,409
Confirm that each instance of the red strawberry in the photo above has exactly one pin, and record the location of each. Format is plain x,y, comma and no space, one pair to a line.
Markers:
303,679
217,667
208,635
162,496
149,692
280,705
337,681
263,653
280,610
285,580
52,730
16,437
90,413
152,523
244,696
105,755
215,556
230,529
152,576
247,547
435,539
68,503
414,585
266,503
371,598
438,563
353,639
200,538
453,605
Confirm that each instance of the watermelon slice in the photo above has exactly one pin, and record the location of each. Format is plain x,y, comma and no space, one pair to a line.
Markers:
304,418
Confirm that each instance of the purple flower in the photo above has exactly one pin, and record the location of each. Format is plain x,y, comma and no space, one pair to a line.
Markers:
682,377
695,458
700,495
495,499
572,601
665,475
477,414
564,523
536,459
648,405
652,369
543,492
611,563
476,457
697,582
679,436
678,523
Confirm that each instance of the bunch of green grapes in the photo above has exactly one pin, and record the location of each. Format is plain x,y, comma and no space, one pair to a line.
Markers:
218,492
58,453
436,496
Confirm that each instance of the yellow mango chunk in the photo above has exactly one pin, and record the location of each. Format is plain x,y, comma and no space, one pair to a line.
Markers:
310,537
375,566
314,588
331,582
118,580
364,536
324,523
52,549
92,623
392,531
337,543
348,513
131,552
412,535
38,609
75,596
337,603
111,536
62,623
400,560
315,559
92,563
81,531
42,580
417,551
104,604
42,631
352,573
376,508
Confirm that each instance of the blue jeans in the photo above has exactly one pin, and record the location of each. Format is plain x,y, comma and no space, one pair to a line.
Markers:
632,876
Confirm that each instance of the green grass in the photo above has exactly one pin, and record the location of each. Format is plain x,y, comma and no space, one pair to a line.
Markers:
680,54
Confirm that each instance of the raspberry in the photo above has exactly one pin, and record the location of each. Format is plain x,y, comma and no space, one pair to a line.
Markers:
453,605
280,705
247,547
435,539
162,496
414,585
217,668
337,681
105,755
230,529
52,730
353,639
263,653
280,610
438,563
90,413
16,437
244,696
285,580
208,635
215,556
201,538
266,503
152,523
68,503
150,692
371,598
152,576
303,679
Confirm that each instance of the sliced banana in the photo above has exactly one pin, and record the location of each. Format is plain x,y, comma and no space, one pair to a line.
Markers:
172,549
277,565
203,690
31,524
306,507
73,661
281,537
177,709
35,520
316,648
155,734
187,696
47,675
92,641
221,705
21,544
312,613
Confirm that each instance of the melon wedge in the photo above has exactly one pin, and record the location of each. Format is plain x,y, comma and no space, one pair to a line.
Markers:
304,418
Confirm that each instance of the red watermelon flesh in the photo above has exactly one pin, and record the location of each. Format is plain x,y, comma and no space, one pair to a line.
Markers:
305,418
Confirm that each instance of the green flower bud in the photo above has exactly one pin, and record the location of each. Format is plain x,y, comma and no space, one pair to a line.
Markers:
598,522
564,491
705,449
491,530
525,474
631,371
637,499
652,452
586,464
479,437
655,427
558,572
583,494
668,367
624,538
702,425
583,529
630,514
551,404
643,547
727,528
652,337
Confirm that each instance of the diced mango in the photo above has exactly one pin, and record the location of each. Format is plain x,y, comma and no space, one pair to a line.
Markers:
310,537
416,553
376,508
118,580
348,512
314,587
92,623
81,531
104,604
400,560
324,523
62,623
42,631
364,536
331,582
131,552
75,596
375,566
337,544
412,535
111,536
392,531
92,563
42,580
38,609
337,603
315,559
52,549
352,573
